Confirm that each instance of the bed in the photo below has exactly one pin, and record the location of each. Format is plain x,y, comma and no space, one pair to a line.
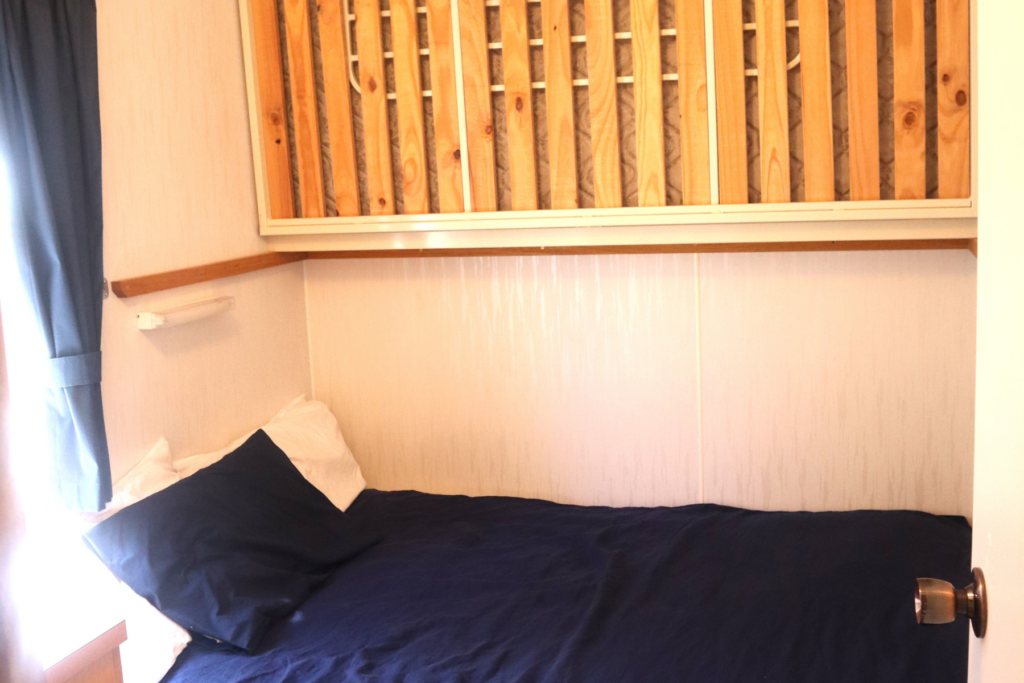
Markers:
505,589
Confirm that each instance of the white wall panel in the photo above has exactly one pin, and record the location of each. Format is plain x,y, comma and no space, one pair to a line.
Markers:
566,378
839,381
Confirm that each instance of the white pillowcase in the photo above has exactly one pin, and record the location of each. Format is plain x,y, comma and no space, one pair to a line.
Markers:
154,641
309,435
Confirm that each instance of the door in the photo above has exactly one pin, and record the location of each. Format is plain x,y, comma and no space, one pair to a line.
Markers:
999,426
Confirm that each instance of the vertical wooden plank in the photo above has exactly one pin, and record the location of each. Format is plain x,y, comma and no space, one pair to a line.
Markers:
650,114
558,96
772,100
693,102
409,98
444,103
273,115
953,51
377,139
816,86
732,102
477,92
515,60
908,101
862,93
338,99
604,100
303,97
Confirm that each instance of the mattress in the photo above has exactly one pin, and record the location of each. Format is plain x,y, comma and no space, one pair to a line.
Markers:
506,589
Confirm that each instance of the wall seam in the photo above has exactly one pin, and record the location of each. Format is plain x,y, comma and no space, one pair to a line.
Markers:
309,331
700,375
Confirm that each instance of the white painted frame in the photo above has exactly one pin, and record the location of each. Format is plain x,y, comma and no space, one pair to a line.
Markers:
796,221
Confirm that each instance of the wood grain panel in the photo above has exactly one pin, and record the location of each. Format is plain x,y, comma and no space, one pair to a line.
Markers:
338,101
649,112
859,389
908,103
515,60
730,90
444,103
273,115
604,104
558,98
693,102
862,86
409,94
773,100
479,117
303,98
379,180
816,105
953,50
569,379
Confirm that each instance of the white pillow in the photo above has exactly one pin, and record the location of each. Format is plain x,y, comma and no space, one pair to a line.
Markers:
154,641
309,435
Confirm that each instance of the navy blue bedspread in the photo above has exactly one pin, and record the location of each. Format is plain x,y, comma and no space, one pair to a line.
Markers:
506,589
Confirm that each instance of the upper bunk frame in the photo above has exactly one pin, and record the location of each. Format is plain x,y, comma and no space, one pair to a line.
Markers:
303,88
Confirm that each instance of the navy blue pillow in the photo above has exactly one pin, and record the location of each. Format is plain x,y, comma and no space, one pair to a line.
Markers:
233,548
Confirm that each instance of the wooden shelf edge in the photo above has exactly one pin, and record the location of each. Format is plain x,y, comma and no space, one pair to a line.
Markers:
86,655
147,284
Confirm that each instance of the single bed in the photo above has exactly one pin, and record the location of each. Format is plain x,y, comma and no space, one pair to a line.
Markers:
505,589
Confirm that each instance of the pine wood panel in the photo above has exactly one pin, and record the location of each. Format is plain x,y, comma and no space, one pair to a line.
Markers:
730,92
515,59
303,97
477,96
338,100
816,88
558,97
444,103
693,102
604,110
908,101
862,87
772,99
273,115
380,183
649,112
409,97
953,51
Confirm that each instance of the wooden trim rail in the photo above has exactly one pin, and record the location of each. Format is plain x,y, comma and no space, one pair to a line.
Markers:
148,284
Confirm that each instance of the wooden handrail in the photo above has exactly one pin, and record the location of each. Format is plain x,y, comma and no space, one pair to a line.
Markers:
148,284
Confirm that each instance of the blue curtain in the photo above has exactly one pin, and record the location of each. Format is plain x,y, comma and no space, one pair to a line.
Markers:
50,142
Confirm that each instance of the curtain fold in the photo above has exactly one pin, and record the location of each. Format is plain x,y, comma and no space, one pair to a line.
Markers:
50,142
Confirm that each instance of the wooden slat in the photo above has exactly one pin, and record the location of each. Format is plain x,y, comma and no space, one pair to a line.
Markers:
303,98
444,103
604,100
515,60
693,102
377,139
558,98
476,81
338,99
273,115
908,101
731,99
650,114
409,98
953,51
147,284
862,94
98,650
816,86
773,100
711,248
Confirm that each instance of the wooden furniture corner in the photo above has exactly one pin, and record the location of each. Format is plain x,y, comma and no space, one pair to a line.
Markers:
99,661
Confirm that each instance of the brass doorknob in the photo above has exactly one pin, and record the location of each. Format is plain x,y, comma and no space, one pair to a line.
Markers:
937,602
